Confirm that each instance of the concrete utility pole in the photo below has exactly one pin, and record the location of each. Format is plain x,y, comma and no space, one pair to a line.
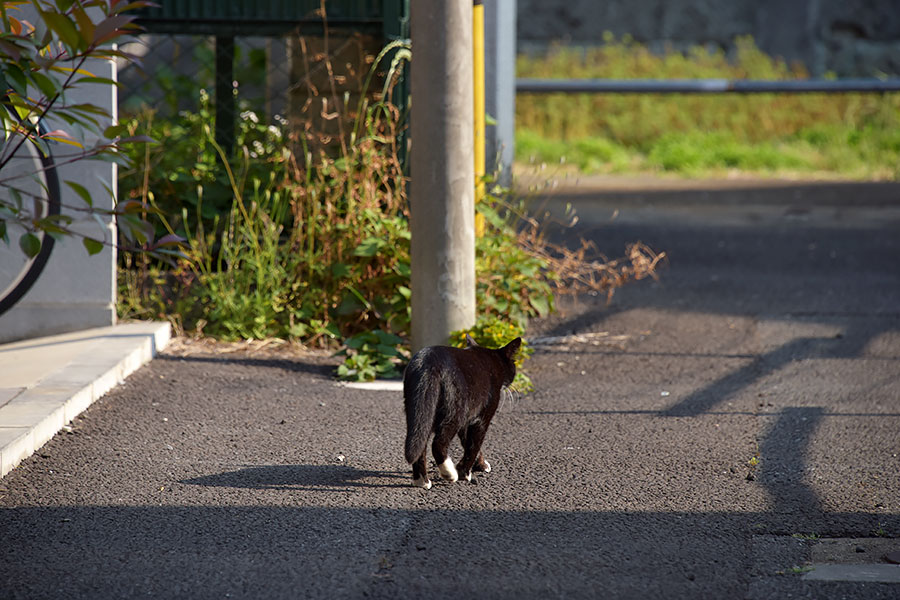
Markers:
442,190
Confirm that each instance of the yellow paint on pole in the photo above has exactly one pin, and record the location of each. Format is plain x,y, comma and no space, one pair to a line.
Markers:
478,76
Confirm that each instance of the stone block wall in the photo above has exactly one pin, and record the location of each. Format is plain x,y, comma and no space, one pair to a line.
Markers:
852,38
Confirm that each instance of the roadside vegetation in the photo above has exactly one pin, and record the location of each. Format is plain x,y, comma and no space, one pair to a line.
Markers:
303,235
848,136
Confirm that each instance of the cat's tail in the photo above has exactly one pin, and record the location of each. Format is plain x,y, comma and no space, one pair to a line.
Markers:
420,398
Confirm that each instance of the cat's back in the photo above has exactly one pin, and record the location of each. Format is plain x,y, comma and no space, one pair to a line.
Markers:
436,359
462,368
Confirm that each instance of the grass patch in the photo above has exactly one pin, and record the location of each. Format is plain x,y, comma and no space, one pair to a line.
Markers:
854,136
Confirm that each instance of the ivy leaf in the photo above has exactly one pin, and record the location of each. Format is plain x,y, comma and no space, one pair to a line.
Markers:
14,74
30,244
93,246
111,28
47,86
85,24
64,28
81,191
540,304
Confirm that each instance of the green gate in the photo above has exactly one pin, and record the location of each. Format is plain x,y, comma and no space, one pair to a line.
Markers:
381,21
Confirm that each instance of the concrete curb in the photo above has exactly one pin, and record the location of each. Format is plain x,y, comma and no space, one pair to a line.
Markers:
47,382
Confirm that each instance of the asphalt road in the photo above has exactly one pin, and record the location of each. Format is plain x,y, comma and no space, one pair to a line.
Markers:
701,436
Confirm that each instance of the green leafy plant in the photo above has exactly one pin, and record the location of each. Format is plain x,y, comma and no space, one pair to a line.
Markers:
167,175
315,252
313,243
511,282
42,64
322,255
311,246
494,332
371,355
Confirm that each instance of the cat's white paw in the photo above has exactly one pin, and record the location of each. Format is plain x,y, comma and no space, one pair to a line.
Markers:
447,470
422,482
469,476
487,467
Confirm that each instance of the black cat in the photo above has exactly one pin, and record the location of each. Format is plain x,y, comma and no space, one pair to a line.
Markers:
453,391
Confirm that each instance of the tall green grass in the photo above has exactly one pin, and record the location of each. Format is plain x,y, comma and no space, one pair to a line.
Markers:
844,135
316,251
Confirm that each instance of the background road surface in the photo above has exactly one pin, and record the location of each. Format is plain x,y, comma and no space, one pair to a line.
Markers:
721,433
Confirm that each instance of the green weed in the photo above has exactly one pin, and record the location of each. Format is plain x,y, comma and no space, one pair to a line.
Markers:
372,354
796,570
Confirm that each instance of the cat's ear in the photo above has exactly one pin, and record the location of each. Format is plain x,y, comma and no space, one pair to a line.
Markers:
511,348
470,343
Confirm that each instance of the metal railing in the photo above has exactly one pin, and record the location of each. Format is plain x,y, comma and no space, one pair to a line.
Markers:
703,86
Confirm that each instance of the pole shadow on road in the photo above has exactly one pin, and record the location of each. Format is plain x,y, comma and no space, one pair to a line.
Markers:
784,273
324,478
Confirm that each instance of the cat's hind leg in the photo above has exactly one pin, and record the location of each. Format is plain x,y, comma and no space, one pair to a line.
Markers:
480,464
472,459
447,470
420,473
440,447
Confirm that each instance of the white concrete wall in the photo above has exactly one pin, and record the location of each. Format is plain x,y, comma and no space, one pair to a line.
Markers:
75,291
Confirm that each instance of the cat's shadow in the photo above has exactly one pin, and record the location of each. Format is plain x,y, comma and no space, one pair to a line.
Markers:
325,478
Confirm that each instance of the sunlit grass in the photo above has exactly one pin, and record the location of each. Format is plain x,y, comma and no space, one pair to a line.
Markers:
840,135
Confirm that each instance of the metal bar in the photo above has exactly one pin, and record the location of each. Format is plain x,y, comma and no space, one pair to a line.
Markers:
254,28
702,86
225,93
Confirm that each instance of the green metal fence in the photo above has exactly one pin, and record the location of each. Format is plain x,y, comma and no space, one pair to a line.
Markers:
248,52
277,17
